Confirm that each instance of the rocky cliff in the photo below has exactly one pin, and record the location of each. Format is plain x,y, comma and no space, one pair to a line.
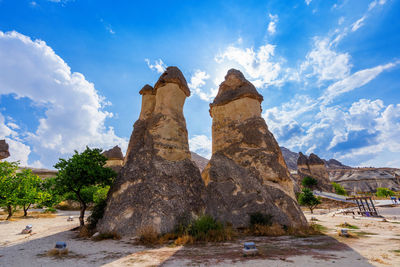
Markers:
158,183
4,153
247,172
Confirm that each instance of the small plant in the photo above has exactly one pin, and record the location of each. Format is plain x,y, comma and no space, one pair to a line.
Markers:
307,198
50,210
339,189
309,182
258,218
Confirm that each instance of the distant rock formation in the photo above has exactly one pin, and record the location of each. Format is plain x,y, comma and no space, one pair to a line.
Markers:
315,167
247,172
4,153
360,180
290,158
115,158
158,183
200,161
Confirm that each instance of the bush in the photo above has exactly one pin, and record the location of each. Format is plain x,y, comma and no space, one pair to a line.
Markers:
339,189
97,213
309,182
384,192
258,218
50,210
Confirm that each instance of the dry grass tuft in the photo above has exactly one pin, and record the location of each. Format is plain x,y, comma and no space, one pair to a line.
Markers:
110,235
148,235
57,252
267,230
183,240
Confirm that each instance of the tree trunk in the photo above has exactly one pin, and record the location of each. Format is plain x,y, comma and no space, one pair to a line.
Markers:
26,210
311,209
10,212
83,209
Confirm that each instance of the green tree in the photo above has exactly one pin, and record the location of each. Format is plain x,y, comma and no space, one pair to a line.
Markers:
83,170
307,198
28,189
49,195
309,182
8,186
339,189
384,192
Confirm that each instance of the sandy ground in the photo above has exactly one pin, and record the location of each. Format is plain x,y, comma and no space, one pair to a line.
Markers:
377,244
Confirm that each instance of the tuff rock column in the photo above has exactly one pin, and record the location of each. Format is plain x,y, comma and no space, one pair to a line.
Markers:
158,183
315,167
247,172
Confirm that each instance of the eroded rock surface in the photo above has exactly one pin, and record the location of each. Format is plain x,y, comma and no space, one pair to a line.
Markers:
4,153
247,172
158,182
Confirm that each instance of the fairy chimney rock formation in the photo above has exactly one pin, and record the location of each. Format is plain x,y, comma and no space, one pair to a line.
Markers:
158,183
247,172
314,167
115,158
4,153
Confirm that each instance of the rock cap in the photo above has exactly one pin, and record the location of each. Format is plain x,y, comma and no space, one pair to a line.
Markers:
173,75
114,153
4,153
147,90
315,160
234,87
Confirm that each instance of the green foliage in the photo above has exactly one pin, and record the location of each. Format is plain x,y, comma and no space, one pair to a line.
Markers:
49,195
101,194
309,182
80,173
307,198
9,185
384,192
259,218
339,189
28,192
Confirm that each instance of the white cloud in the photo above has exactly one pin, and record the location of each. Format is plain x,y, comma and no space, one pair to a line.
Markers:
307,2
272,23
201,144
158,65
358,24
197,82
374,3
74,115
261,66
325,63
354,81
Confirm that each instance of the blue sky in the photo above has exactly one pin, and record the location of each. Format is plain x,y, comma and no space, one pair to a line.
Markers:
70,72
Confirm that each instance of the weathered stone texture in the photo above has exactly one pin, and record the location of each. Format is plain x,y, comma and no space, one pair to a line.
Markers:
4,153
247,172
158,182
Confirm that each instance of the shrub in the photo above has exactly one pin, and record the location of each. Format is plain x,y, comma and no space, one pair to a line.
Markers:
384,192
206,228
50,210
309,182
183,240
339,189
258,218
97,213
